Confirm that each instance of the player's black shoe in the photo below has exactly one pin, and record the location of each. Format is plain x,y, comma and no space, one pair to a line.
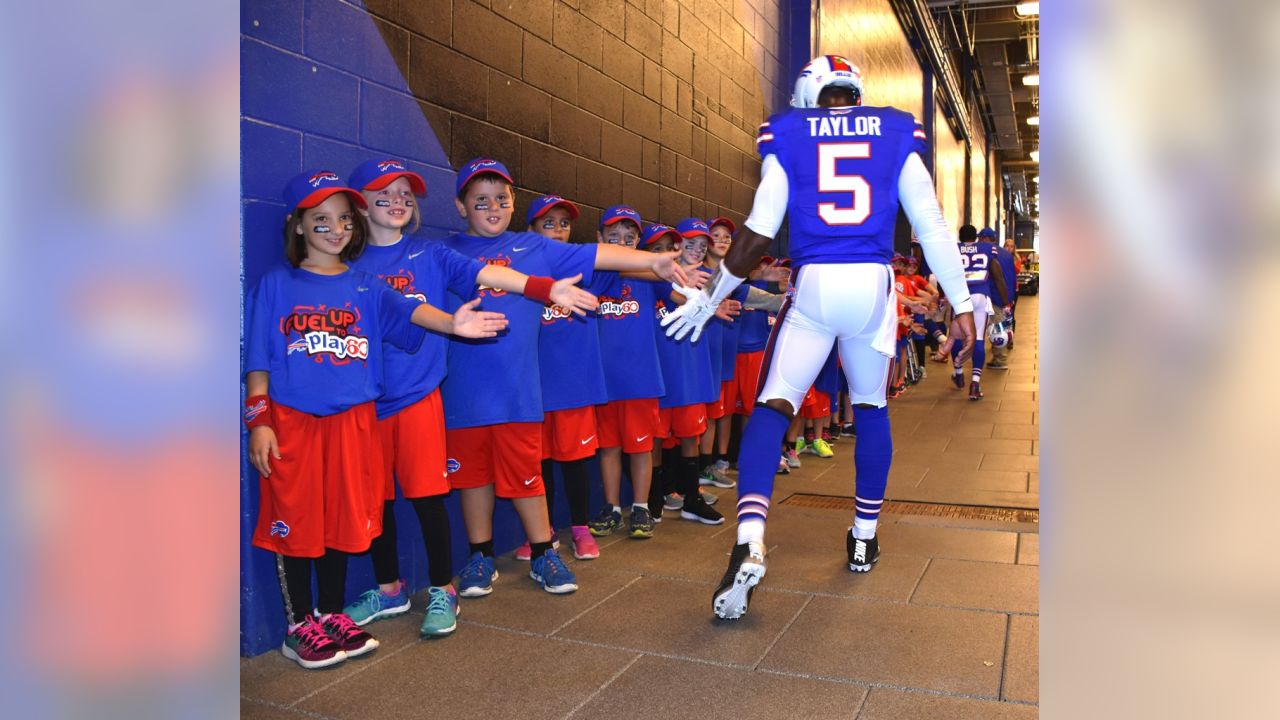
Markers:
975,391
746,568
862,553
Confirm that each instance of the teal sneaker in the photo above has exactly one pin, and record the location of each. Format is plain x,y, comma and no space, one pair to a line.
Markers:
476,578
375,605
442,613
552,574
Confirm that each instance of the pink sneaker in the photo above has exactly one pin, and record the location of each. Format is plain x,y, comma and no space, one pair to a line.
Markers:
524,552
584,546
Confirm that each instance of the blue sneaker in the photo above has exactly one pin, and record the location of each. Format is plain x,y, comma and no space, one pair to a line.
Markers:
442,613
476,579
555,577
375,605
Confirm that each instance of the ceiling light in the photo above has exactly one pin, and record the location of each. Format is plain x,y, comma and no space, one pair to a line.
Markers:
1032,80
1035,157
1027,9
1034,120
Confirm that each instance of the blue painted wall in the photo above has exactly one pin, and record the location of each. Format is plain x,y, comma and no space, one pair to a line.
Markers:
319,88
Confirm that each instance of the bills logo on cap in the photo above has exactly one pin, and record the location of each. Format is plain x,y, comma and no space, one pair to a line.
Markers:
386,165
279,527
481,164
322,177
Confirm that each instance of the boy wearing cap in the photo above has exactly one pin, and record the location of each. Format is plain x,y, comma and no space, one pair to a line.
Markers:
572,385
691,385
410,412
634,380
493,414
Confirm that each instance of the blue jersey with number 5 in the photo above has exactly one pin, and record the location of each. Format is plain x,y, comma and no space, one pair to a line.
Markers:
842,165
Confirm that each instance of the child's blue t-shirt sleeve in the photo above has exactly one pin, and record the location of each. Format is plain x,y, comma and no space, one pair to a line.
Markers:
460,271
395,318
257,330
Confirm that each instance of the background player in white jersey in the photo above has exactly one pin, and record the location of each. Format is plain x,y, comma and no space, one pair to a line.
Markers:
842,210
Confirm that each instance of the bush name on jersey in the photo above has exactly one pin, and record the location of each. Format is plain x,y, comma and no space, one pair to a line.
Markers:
975,258
326,332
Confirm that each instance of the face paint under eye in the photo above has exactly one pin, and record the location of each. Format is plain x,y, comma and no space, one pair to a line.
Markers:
482,206
382,203
321,229
504,205
408,203
348,227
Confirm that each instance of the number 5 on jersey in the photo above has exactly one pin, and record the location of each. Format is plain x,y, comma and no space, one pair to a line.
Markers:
831,181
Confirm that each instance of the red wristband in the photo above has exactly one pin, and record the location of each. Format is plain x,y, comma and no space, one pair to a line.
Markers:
538,287
257,411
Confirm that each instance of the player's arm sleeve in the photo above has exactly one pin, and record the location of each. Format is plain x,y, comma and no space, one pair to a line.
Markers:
915,192
770,204
569,259
460,271
395,319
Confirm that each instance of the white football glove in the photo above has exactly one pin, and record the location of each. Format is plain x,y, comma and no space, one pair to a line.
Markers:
693,315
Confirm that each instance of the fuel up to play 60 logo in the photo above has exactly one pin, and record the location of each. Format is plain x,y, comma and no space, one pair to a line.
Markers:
326,332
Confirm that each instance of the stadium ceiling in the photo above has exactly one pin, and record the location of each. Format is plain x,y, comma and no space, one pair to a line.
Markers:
994,44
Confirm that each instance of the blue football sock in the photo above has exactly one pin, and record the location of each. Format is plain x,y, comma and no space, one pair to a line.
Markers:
758,455
871,458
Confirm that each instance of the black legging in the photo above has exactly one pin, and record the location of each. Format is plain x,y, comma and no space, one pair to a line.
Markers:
295,581
433,518
575,486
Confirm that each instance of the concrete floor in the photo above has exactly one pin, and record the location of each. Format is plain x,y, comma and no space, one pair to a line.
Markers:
946,626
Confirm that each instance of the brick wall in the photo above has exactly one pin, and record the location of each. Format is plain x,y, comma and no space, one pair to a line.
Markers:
650,102
978,181
868,33
948,170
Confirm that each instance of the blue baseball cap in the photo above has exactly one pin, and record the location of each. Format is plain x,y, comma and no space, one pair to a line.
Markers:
313,187
377,174
986,232
618,213
545,203
480,166
654,231
691,227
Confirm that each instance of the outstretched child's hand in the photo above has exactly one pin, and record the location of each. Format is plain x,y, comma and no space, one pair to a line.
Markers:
664,265
775,272
471,323
729,309
566,294
262,447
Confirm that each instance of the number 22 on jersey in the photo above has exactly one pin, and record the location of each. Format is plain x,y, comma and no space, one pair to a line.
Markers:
831,181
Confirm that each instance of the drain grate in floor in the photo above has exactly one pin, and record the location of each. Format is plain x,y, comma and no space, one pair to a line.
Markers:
900,507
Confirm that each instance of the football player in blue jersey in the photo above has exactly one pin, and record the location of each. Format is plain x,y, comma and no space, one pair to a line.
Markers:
986,282
839,170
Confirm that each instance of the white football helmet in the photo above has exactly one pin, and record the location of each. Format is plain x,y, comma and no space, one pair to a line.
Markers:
998,334
823,71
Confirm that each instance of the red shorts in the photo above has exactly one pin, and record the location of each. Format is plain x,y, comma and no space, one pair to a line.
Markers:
746,374
326,490
413,449
685,421
816,405
629,424
569,434
728,395
507,456
715,408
